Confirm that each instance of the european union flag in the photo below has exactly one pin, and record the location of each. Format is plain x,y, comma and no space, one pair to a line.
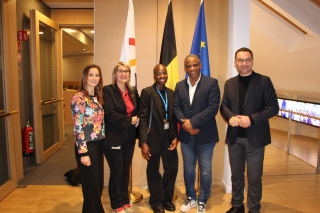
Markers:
199,44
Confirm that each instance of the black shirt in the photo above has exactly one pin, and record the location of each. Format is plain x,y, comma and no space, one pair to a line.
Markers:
244,82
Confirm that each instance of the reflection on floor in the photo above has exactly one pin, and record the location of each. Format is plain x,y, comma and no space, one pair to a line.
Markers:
289,186
302,147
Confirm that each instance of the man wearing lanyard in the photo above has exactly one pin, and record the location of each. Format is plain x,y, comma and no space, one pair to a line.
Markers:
158,138
196,103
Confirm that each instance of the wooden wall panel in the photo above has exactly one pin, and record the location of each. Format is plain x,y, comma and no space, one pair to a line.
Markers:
73,66
73,16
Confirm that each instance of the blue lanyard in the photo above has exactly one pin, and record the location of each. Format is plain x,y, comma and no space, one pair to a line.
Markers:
165,102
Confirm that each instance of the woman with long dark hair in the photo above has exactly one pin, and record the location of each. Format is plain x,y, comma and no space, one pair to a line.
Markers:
89,129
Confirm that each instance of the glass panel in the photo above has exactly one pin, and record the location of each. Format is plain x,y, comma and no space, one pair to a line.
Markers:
50,125
48,79
4,163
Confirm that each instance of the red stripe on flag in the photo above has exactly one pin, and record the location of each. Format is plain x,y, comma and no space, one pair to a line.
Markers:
132,41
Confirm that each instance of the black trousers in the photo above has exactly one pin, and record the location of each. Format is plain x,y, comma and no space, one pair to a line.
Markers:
162,188
91,178
239,153
119,161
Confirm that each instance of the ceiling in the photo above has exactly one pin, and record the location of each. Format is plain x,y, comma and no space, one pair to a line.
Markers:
316,2
78,41
90,3
81,41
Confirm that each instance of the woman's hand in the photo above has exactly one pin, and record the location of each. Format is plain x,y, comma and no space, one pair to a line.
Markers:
134,120
85,160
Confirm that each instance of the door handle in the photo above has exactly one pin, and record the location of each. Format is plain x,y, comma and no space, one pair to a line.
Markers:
53,100
5,114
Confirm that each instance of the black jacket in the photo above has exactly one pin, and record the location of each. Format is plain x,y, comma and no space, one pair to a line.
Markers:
201,111
260,103
115,115
154,138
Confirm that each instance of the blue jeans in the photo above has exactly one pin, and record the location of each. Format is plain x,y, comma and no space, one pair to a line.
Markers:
192,152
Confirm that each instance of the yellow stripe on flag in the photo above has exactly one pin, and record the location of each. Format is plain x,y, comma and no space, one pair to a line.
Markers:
132,62
173,74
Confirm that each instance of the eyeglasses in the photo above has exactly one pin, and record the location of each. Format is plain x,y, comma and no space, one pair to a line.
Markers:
123,71
188,66
247,60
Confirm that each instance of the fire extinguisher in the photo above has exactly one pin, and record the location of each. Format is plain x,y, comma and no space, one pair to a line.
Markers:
27,140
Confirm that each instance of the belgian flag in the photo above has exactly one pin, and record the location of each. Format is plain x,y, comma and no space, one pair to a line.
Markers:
168,55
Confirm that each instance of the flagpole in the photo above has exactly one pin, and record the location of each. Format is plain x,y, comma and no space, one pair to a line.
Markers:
157,26
128,55
134,197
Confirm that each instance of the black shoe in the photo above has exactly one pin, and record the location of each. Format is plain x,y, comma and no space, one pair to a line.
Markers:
169,206
236,209
158,209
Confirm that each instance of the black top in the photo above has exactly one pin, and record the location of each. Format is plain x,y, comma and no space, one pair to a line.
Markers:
163,93
243,87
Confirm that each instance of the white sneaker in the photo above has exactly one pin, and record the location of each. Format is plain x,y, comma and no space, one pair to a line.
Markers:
201,208
128,208
188,204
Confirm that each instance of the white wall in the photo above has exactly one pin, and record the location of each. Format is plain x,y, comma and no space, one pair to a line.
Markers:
289,57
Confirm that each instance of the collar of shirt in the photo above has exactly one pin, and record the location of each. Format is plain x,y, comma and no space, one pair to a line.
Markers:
127,100
126,92
192,89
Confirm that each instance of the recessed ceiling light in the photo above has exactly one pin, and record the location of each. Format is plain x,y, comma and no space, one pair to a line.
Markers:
69,30
92,31
41,33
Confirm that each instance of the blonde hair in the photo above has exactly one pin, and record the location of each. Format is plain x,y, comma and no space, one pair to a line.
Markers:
116,68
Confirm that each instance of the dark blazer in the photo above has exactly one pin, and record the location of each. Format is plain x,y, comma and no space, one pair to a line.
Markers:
260,103
115,114
201,112
154,138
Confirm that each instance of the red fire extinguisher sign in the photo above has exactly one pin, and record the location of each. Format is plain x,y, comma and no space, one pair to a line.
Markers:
27,140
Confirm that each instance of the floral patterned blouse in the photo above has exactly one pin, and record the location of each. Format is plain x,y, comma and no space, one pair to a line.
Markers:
88,122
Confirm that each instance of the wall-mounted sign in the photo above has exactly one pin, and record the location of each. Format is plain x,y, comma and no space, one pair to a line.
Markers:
19,46
22,35
19,57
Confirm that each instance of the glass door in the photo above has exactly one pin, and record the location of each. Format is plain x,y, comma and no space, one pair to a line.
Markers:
47,87
4,168
10,151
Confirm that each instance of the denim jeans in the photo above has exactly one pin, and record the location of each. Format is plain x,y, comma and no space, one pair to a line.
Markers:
192,152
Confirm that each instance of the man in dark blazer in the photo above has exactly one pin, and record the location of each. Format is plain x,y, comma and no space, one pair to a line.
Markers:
160,140
248,102
196,103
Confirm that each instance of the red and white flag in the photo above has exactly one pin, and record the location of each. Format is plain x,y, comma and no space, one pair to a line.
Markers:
128,52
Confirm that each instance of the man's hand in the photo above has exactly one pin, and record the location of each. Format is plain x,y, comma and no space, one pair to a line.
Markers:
85,160
173,144
194,131
187,125
244,121
234,121
145,151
